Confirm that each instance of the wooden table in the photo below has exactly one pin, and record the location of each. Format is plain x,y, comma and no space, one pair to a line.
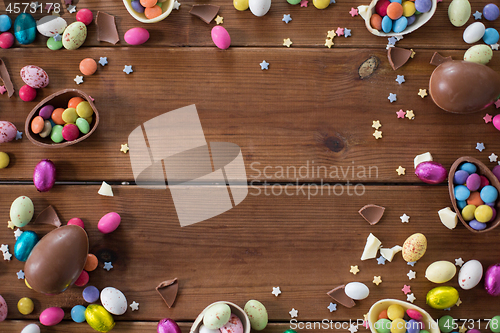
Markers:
309,109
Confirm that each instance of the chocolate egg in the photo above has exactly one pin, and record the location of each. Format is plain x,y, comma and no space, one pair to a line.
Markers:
57,260
168,325
431,172
464,87
492,280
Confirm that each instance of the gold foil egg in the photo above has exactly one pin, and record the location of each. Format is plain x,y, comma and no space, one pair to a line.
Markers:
98,318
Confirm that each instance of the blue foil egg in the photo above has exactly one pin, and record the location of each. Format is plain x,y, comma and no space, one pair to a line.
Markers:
25,28
24,245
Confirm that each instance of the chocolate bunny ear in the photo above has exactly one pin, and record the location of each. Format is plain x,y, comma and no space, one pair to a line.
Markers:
5,77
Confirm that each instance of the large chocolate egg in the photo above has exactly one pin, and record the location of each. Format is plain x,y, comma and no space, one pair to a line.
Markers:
57,260
464,87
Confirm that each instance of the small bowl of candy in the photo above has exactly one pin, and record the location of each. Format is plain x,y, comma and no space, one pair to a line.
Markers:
388,315
385,18
62,119
149,11
223,316
474,194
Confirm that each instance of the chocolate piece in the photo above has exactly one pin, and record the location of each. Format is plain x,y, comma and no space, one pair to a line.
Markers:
438,59
398,56
464,87
372,213
4,75
48,216
338,294
205,12
168,291
106,28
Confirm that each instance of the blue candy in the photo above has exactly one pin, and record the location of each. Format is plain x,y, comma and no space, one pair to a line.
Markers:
25,29
78,313
386,24
461,204
400,24
24,245
90,294
469,167
491,12
474,224
491,36
460,177
399,1
5,23
488,194
462,192
411,19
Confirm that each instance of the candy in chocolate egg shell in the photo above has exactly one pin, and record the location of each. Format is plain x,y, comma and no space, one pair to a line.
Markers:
57,260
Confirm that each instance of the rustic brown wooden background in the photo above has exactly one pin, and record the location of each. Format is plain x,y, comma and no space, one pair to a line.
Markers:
309,107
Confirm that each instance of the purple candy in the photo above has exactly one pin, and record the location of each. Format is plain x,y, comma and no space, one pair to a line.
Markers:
423,6
136,5
492,280
474,224
46,111
494,214
411,19
473,331
473,182
167,325
90,294
496,171
431,172
491,12
413,326
461,177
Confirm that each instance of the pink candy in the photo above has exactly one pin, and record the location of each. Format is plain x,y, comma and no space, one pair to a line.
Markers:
76,221
82,280
51,316
109,222
27,93
414,314
85,16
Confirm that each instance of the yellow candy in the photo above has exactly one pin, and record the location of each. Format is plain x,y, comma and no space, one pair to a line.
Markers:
321,4
395,311
483,213
468,212
69,116
4,160
398,325
98,318
240,4
408,8
89,120
25,306
84,110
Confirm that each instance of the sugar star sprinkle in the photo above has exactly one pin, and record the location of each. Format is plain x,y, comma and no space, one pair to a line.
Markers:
18,233
332,307
411,274
399,37
406,289
494,46
20,275
4,248
480,146
339,31
404,218
332,1
493,157
422,92
303,3
7,256
57,37
329,43
400,79
410,115
2,90
219,20
411,263
10,225
287,42
19,135
347,32
392,97
477,15
353,12
400,170
177,4
381,260
377,280
354,270
68,2
353,328
124,148
412,53
392,41
134,306
294,313
447,309
376,124
78,79
459,262
458,302
497,104
128,69
487,118
401,113
108,266
103,61
286,18
377,134
410,298
331,34
71,9
276,291
264,65
462,329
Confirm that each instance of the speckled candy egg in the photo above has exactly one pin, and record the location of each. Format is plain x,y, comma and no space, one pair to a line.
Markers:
31,328
234,325
21,211
25,28
259,7
74,35
257,314
51,25
114,301
440,271
414,247
459,12
442,297
8,131
136,36
470,274
480,54
98,318
217,316
34,76
3,309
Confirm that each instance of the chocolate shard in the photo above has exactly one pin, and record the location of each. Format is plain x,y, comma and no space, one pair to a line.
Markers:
168,291
398,56
4,75
106,28
338,294
48,216
205,12
438,59
372,213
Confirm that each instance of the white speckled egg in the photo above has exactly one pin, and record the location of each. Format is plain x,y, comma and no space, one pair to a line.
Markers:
74,35
474,32
31,328
459,12
8,131
216,316
357,290
51,25
480,54
114,301
34,76
259,7
21,211
440,271
470,274
3,309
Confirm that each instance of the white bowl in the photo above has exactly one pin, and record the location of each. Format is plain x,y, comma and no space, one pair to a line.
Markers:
166,9
235,309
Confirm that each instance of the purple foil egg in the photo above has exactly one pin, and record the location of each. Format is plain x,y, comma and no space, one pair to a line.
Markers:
431,172
168,325
44,175
492,280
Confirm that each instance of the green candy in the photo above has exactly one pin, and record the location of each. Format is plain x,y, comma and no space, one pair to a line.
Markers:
83,125
293,2
495,324
54,45
383,325
445,324
159,4
56,134
423,331
290,331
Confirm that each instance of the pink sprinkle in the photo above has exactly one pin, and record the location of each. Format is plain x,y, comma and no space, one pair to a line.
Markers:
303,3
487,118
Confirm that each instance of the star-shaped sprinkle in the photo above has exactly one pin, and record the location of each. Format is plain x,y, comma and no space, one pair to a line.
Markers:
35,5
458,302
406,289
411,263
219,20
410,115
410,298
2,90
287,42
353,12
331,34
124,148
377,134
493,157
92,98
412,53
494,46
497,103
404,218
447,309
78,79
411,274
392,40
332,1
400,79
487,118
480,146
354,270
19,135
286,18
422,92
108,265
376,124
401,113
177,4
71,9
303,3
392,97
381,260
68,2
353,328
329,43
57,37
20,275
103,61
388,46
264,65
10,225
347,32
128,69
7,256
332,307
4,248
459,262
462,329
294,313
400,170
18,233
276,291
134,306
339,31
477,15
377,280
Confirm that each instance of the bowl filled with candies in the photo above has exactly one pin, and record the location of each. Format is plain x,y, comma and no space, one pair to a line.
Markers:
149,11
224,317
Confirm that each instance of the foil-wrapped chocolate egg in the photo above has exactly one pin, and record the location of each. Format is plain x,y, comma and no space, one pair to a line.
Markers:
492,280
431,172
168,325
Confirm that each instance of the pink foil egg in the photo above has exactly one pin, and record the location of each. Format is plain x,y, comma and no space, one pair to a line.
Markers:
51,316
44,175
167,325
431,172
109,222
492,280
136,36
221,37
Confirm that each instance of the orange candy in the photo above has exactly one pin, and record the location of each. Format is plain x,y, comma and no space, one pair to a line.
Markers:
91,263
383,314
148,3
475,199
394,10
376,21
153,12
74,102
57,116
37,124
88,66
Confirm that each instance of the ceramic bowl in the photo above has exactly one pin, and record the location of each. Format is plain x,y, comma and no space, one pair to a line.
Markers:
430,325
166,9
59,99
366,13
483,171
235,309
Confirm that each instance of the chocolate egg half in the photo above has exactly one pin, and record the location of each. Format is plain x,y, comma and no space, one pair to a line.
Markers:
57,260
